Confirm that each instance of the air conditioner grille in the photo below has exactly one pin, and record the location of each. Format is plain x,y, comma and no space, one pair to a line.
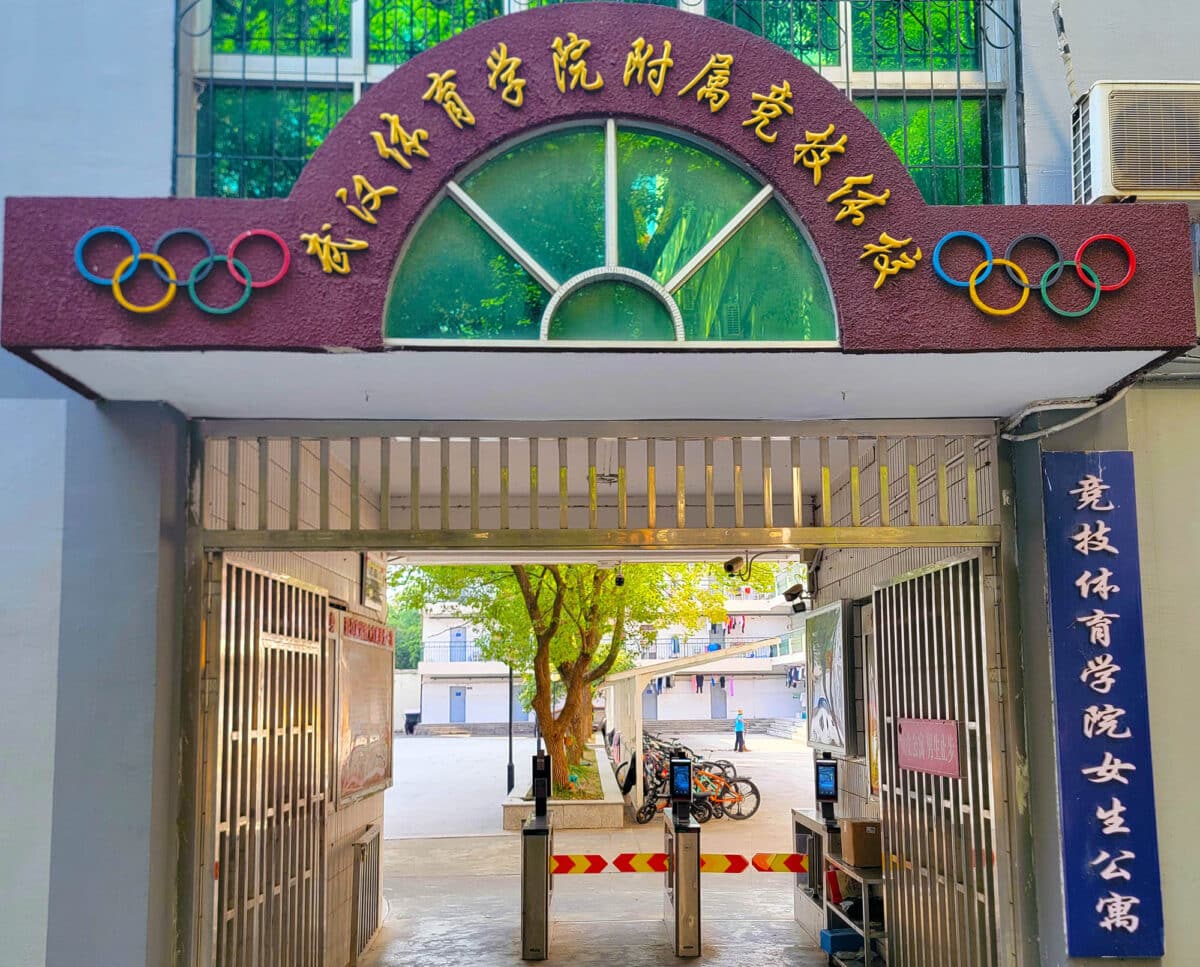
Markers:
1081,153
1155,138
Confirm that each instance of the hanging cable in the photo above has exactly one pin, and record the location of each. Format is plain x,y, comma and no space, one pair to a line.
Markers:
1066,424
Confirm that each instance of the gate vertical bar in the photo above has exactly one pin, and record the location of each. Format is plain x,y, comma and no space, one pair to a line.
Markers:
885,492
710,500
564,499
232,485
593,495
324,511
385,483
622,484
768,492
474,483
294,484
739,506
797,485
444,485
651,489
414,483
264,476
355,483
504,483
533,483
680,483
826,485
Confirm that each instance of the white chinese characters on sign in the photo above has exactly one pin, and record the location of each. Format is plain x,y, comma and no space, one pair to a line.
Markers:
1104,722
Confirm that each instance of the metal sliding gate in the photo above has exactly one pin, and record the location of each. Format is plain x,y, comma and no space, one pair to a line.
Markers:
267,785
944,839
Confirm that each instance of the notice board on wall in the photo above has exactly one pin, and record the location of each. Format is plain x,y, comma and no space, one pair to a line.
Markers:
364,708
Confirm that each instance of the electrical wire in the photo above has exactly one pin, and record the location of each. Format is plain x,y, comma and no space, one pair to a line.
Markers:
1066,424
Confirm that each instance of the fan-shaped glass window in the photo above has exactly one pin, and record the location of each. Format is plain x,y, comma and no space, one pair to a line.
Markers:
594,234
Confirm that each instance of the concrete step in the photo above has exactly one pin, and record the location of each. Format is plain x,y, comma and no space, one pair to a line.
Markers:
474,728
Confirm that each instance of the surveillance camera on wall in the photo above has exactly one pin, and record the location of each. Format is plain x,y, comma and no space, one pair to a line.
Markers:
619,580
799,606
734,564
794,592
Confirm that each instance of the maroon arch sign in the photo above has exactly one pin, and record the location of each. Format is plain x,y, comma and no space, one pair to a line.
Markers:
320,273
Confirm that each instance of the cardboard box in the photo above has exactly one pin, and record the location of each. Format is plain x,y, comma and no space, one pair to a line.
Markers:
862,844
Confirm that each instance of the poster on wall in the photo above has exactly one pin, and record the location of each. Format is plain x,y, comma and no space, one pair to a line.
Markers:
830,712
1102,720
364,708
373,583
871,673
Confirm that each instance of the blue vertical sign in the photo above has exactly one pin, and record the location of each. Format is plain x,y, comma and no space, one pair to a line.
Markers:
1102,723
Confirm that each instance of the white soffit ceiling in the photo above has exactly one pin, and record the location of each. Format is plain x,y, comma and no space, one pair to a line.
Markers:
466,385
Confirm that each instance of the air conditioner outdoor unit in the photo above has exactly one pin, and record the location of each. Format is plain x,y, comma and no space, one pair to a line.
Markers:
1137,139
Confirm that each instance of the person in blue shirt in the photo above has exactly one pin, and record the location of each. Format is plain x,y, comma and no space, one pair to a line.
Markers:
739,733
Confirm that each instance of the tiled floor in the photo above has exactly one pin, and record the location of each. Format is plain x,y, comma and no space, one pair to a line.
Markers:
454,900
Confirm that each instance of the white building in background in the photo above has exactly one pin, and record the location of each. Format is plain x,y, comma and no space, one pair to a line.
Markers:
457,686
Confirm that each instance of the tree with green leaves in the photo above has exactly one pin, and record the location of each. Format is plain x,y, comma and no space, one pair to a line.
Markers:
574,623
406,622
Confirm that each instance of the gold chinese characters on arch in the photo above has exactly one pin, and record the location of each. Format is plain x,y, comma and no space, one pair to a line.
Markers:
648,65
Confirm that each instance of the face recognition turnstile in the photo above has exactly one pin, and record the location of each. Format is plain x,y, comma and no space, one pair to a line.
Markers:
537,884
681,897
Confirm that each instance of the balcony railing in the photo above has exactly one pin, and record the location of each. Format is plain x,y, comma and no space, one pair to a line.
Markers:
451,651
666,648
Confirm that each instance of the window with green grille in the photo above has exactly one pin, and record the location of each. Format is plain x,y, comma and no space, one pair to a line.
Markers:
273,76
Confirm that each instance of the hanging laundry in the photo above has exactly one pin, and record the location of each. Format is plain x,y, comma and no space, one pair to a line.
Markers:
731,687
743,624
670,683
700,684
722,681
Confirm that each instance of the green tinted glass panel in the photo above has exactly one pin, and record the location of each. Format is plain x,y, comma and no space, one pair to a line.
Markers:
614,311
456,283
807,29
673,198
398,30
922,35
317,28
548,194
929,133
251,142
763,285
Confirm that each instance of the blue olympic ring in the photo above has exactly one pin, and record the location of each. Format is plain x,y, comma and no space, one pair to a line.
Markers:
106,230
937,258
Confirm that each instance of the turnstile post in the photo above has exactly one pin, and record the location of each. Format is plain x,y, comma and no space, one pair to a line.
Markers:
681,896
537,887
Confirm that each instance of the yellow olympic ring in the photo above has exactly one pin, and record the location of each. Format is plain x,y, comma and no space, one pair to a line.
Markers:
979,303
171,285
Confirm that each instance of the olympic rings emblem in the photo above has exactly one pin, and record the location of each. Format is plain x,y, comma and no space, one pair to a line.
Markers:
166,271
1086,274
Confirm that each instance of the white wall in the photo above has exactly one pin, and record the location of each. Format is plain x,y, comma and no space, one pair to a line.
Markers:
757,697
487,700
1110,40
86,109
406,695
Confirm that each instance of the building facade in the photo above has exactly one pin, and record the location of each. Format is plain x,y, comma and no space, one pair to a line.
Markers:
396,381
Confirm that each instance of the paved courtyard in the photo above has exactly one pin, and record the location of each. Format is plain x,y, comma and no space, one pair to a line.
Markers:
452,877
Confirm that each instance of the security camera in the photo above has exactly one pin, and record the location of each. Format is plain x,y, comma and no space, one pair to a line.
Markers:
799,606
794,592
734,564
619,580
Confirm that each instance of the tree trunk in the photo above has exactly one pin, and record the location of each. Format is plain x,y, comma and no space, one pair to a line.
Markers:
582,724
553,733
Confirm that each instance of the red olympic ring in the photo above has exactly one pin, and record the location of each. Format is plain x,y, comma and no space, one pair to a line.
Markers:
265,233
1105,237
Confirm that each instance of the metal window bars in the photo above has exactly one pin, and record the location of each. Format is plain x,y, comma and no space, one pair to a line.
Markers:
934,75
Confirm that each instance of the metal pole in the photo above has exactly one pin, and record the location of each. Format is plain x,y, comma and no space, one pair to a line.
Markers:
512,772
